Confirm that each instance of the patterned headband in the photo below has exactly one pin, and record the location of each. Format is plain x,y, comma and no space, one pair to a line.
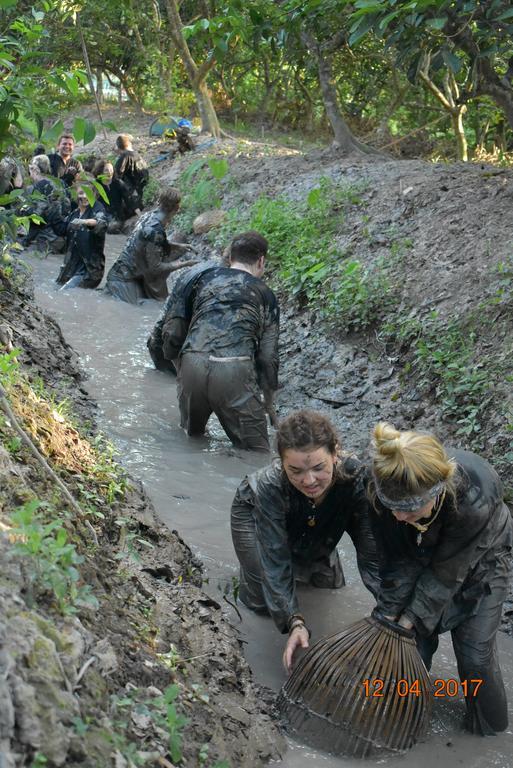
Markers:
408,503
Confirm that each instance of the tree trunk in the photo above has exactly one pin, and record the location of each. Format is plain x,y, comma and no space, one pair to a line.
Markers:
99,85
342,136
461,140
209,121
500,93
90,73
197,75
448,98
490,83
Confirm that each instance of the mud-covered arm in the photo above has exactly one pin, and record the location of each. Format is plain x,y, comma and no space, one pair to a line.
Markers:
100,217
274,551
463,538
174,333
397,574
267,357
362,534
177,319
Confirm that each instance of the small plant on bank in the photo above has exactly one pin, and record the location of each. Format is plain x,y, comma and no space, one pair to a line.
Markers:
443,357
52,564
307,262
151,192
201,187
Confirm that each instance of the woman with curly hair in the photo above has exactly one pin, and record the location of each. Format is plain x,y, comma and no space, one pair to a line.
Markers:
288,518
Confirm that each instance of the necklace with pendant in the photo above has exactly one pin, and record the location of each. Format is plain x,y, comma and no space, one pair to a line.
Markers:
422,528
311,521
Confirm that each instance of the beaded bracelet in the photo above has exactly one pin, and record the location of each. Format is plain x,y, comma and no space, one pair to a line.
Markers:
298,623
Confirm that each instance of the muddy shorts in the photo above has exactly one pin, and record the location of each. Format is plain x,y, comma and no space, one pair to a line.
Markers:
123,288
227,387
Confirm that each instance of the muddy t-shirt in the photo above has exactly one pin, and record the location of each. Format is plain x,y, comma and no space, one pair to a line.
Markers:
234,314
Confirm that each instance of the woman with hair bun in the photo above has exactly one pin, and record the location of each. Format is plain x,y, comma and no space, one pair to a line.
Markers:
445,539
288,518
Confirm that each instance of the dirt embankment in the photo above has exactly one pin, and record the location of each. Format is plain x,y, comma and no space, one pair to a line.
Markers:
435,245
110,653
97,686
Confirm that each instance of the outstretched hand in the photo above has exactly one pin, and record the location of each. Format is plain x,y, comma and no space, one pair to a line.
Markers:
298,638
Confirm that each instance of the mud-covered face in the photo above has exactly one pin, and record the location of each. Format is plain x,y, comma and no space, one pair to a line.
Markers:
418,514
82,198
310,471
108,173
65,147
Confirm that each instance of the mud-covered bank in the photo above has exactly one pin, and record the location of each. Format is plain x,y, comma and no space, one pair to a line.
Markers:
110,652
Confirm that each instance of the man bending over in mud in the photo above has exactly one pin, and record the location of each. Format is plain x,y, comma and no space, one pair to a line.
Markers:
148,258
225,346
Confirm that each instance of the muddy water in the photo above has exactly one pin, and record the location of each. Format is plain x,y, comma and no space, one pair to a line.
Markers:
192,483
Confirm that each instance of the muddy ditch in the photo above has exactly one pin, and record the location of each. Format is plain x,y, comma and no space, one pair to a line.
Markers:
142,669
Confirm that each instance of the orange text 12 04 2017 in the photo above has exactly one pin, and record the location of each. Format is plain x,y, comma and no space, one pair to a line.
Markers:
377,688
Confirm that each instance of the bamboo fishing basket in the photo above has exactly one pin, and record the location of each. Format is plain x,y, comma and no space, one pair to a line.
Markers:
362,692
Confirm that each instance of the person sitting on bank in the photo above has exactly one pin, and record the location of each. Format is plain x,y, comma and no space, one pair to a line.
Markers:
444,535
46,198
84,264
148,258
287,519
223,339
119,207
132,169
62,163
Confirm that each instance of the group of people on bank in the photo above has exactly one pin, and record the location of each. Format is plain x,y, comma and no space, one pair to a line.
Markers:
432,533
70,210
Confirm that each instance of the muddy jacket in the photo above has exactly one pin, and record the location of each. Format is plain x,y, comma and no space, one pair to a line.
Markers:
227,313
85,253
174,308
67,172
284,534
437,579
145,259
133,170
47,199
121,200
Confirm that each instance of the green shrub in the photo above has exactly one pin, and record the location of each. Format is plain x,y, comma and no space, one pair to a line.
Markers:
53,560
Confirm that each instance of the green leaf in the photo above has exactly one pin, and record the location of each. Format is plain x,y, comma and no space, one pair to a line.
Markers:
51,134
451,60
313,197
89,132
101,191
40,125
360,30
71,84
383,24
89,194
8,3
78,128
219,167
506,15
438,23
375,5
222,45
